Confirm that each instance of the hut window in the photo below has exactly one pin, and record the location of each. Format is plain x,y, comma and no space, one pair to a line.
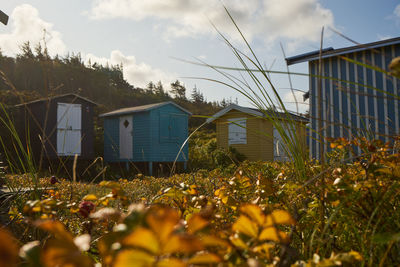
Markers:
237,131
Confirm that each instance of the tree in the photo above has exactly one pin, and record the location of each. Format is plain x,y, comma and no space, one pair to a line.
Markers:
196,96
159,89
178,90
151,88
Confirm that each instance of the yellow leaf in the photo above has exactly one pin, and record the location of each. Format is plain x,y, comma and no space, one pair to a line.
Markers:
56,228
37,209
213,241
183,244
264,250
110,184
204,258
193,190
254,212
133,258
279,217
142,238
171,262
90,197
196,223
274,234
162,221
221,195
245,226
237,242
357,256
59,252
8,249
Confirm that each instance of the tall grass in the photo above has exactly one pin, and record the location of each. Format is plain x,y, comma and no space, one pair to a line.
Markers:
256,86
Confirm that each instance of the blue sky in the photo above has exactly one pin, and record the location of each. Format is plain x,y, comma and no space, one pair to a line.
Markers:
146,36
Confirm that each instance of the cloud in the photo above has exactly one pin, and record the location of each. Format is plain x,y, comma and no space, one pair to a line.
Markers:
290,100
137,74
299,20
28,26
397,11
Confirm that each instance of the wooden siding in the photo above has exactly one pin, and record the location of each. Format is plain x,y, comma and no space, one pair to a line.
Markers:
259,136
111,139
142,137
167,140
34,121
157,135
351,110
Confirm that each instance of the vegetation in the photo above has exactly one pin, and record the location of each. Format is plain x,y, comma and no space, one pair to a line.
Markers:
257,214
298,213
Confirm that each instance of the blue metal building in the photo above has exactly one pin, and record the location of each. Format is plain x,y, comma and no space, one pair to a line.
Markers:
149,133
352,108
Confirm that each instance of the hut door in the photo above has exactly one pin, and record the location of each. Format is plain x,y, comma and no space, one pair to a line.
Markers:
69,118
279,145
125,137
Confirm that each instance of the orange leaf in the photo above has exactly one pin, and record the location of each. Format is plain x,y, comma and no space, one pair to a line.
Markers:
196,222
212,241
254,212
237,242
162,221
134,258
171,262
90,197
183,244
245,226
142,238
56,228
204,258
8,249
274,234
279,217
58,252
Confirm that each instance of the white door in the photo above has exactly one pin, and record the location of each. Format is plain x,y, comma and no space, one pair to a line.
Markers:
125,137
69,126
279,145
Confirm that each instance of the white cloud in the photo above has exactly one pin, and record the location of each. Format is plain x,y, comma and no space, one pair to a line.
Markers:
28,26
397,11
137,74
290,101
299,20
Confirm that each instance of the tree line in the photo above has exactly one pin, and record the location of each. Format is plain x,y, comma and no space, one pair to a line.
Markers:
34,74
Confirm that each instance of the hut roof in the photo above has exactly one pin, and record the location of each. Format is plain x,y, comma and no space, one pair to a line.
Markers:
124,111
330,52
56,97
256,113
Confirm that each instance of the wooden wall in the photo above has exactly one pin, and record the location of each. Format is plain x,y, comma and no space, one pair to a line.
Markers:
259,136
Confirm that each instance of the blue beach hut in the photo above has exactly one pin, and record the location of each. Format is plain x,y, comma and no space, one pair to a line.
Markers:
150,133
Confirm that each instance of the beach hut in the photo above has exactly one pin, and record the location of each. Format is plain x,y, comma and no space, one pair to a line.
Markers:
57,126
356,100
252,134
150,134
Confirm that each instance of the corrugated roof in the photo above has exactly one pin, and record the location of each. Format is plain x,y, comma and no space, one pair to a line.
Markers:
143,108
55,97
254,112
330,52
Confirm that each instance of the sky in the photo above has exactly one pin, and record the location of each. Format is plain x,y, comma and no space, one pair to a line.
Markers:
153,38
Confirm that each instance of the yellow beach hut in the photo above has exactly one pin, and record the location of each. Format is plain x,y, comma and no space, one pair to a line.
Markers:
253,134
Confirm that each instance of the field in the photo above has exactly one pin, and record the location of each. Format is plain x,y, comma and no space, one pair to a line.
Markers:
254,214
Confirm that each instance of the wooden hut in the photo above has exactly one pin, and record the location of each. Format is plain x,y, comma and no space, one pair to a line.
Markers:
359,99
58,126
151,133
251,133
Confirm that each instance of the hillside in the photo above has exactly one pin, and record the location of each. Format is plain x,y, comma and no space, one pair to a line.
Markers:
33,74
